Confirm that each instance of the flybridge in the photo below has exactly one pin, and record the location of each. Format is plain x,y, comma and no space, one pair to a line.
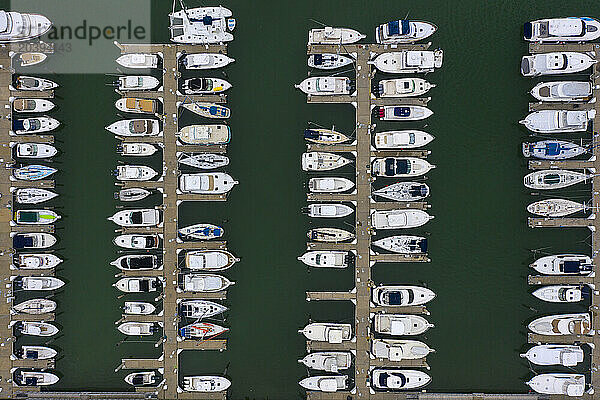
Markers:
91,32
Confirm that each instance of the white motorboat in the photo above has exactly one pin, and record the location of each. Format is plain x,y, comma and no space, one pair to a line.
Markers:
399,219
33,172
35,328
32,105
403,244
35,150
402,113
198,309
35,217
205,283
33,195
138,328
328,61
136,217
139,284
204,160
329,210
206,183
32,83
134,173
33,240
558,121
391,379
330,35
209,260
324,136
404,191
570,29
328,361
330,185
34,378
136,262
553,150
208,110
29,59
330,235
136,149
562,324
35,307
138,60
202,25
563,62
400,167
36,125
555,354
562,91
135,127
409,61
42,283
205,134
206,61
330,332
553,179
325,259
400,324
401,295
572,385
403,87
325,85
36,261
555,207
201,331
132,194
325,383
16,26
34,353
564,264
135,241
559,293
405,139
205,86
138,105
321,161
205,383
137,82
201,232
403,31
138,308
398,350
146,378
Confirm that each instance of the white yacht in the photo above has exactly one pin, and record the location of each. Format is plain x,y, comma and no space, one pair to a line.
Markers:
205,86
132,194
35,125
399,219
556,207
405,139
205,283
137,241
400,324
404,191
402,113
38,283
398,350
403,87
403,31
562,324
553,150
35,306
325,383
134,173
32,105
206,61
36,261
328,361
564,264
136,149
409,61
201,331
33,195
209,260
34,378
332,210
42,329
136,217
138,105
553,179
391,379
35,150
16,26
324,136
207,110
205,383
401,295
403,244
562,91
325,258
330,332
330,185
555,354
400,167
206,183
138,308
35,217
572,385
138,328
321,161
33,240
559,293
137,82
33,172
330,235
146,378
34,353
138,60
199,309
558,121
33,83
325,85
136,262
570,29
328,61
330,35
201,232
564,62
30,58
203,160
139,284
202,25
135,127
205,134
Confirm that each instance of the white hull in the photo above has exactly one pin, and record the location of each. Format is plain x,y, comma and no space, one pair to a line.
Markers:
132,241
400,167
205,384
41,329
137,105
400,325
391,379
34,240
35,353
325,259
399,219
555,354
330,185
403,244
201,231
403,113
32,105
138,284
37,261
33,84
563,324
138,308
403,31
18,26
208,110
34,125
200,308
35,378
327,384
141,378
209,260
327,332
555,207
328,61
204,160
134,173
404,191
135,127
33,195
39,283
205,134
564,264
202,25
138,60
136,217
559,294
206,61
398,350
566,62
570,29
558,121
562,91
132,194
572,385
136,262
401,295
137,328
35,306
329,210
206,183
328,361
205,283
403,87
325,86
409,61
406,139
320,161
137,82
137,149
330,235
330,35
35,150
205,86
553,179
553,150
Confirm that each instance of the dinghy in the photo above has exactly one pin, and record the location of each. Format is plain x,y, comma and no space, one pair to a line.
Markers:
205,86
403,87
31,58
133,241
204,160
404,191
206,183
400,324
330,332
330,235
564,62
206,61
325,258
17,26
34,125
559,294
136,149
136,262
136,217
36,261
38,283
570,29
209,260
398,350
205,134
33,172
324,136
409,61
137,105
34,353
201,232
34,378
562,91
33,195
328,361
148,378
564,264
330,35
555,354
403,31
325,383
330,185
135,127
35,307
208,110
33,240
399,219
32,105
406,139
553,179
136,82
553,150
138,308
392,379
329,210
401,295
35,150
32,83
205,383
199,309
325,85
320,161
142,284
328,61
571,385
138,60
555,207
42,329
36,217
403,244
562,324
400,167
558,121
202,25
201,331
132,194
138,328
134,173
402,113
205,283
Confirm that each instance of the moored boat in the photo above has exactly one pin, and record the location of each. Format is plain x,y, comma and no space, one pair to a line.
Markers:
43,283
330,185
205,383
138,60
553,150
331,235
404,31
330,332
558,121
36,261
560,293
325,85
206,61
409,61
136,82
35,217
34,378
138,328
205,86
201,231
321,161
403,87
35,306
401,295
26,126
562,91
400,167
400,324
564,264
399,219
35,150
571,385
33,172
139,284
34,353
135,127
138,308
553,179
208,110
209,260
201,331
33,83
404,191
393,379
137,105
136,217
402,113
555,207
554,354
328,361
405,139
570,29
205,283
204,160
403,244
199,309
205,134
135,241
332,210
325,383
33,195
399,350
324,136
33,240
202,25
206,183
132,194
330,35
136,149
136,262
328,61
325,258
146,378
134,173
564,62
31,58
562,324
19,26
35,328
32,105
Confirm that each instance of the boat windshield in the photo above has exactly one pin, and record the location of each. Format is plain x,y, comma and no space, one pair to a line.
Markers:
551,179
28,82
411,138
200,84
562,294
136,217
150,242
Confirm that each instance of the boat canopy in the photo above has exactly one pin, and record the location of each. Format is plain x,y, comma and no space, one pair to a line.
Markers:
399,27
138,262
527,30
318,59
139,126
200,84
401,111
22,241
311,134
571,267
553,149
28,216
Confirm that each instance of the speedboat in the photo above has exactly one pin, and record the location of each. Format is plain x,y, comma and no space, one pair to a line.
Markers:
135,127
555,207
138,60
401,295
562,324
330,35
330,235
132,194
16,26
38,283
199,309
404,191
136,217
33,195
208,110
399,219
209,260
205,383
136,149
34,378
329,210
35,307
138,328
553,179
147,378
409,61
206,183
201,330
34,353
36,261
32,83
31,58
325,85
136,262
564,264
136,82
327,332
406,139
325,383
32,105
403,87
35,150
321,161
564,62
390,379
553,150
403,244
558,121
400,324
562,91
201,231
560,293
571,385
555,354
328,61
400,167
134,173
398,350
325,259
202,25
328,361
138,308
134,241
36,217
33,172
33,240
204,160
34,125
206,61
137,105
330,185
205,134
141,284
205,283
324,136
402,113
205,85
403,31
570,29
35,328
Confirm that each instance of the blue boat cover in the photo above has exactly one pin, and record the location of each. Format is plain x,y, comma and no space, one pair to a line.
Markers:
552,149
394,27
213,110
527,30
311,134
571,267
395,298
20,241
402,166
218,232
401,111
207,20
405,27
31,381
318,59
31,354
423,245
18,125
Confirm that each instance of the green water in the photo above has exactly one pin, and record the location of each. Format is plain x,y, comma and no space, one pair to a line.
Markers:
480,244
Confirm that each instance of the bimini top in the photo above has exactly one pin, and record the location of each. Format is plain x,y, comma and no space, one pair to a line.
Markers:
401,111
401,27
